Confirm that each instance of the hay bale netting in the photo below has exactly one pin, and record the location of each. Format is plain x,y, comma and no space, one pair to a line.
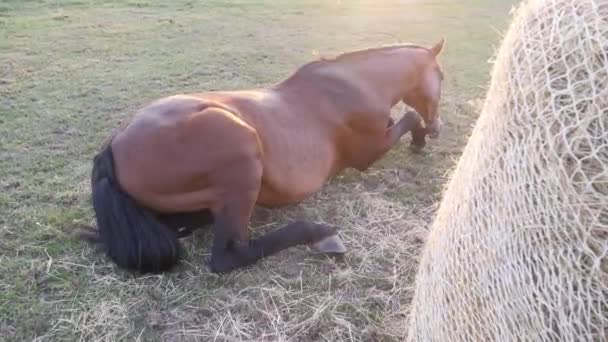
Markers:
519,247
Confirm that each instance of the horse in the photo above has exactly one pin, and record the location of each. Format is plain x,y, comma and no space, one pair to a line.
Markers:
189,160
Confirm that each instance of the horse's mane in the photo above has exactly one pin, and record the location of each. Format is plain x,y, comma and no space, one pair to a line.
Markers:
345,56
364,52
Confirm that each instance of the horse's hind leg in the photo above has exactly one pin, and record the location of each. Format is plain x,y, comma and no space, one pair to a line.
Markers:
232,247
235,175
229,254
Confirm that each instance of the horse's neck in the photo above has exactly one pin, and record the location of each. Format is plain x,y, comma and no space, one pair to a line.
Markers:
389,77
374,80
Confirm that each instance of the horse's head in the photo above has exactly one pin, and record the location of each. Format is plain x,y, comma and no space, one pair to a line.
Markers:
425,96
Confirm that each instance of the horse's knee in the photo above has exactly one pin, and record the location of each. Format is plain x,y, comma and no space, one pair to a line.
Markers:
418,138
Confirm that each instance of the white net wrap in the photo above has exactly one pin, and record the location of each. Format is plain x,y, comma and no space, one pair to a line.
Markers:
519,247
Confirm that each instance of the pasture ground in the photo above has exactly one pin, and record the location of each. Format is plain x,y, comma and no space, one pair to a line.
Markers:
72,70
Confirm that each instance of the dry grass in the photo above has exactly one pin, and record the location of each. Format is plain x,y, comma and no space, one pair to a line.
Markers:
72,70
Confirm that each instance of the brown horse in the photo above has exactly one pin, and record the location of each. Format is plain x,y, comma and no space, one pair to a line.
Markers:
189,160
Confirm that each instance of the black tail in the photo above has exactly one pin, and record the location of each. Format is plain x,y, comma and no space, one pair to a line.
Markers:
131,235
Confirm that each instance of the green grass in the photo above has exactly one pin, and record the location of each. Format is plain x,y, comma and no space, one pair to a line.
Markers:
72,70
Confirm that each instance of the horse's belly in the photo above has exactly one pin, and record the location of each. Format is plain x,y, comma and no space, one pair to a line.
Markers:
295,179
276,196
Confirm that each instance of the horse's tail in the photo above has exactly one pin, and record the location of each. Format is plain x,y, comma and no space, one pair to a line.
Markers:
130,234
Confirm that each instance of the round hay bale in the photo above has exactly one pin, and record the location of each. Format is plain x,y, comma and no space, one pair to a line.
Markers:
519,247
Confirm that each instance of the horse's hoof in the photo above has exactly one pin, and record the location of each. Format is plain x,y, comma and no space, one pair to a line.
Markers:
416,148
330,245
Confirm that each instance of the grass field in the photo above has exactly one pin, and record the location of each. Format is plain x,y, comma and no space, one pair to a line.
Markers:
72,70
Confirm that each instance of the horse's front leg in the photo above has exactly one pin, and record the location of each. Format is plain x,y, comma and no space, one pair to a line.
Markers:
419,133
411,121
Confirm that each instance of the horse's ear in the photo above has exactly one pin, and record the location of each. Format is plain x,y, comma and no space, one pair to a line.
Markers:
436,50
